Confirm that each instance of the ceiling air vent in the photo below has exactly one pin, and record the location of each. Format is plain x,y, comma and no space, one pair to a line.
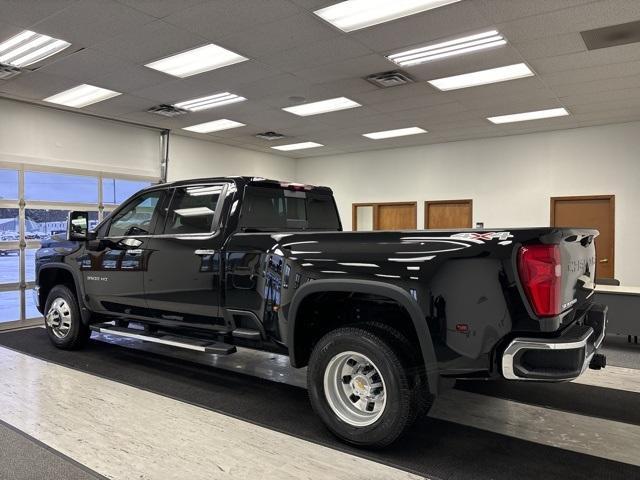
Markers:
270,136
612,36
167,110
390,79
8,71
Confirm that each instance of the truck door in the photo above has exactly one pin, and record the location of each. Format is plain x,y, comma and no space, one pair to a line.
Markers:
113,266
182,281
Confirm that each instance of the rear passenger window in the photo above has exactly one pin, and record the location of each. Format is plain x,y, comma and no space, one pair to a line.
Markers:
192,209
264,208
271,209
322,213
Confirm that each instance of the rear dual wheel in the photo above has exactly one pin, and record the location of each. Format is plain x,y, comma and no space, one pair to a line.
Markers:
363,385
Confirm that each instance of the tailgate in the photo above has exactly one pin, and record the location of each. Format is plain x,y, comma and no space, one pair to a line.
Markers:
578,257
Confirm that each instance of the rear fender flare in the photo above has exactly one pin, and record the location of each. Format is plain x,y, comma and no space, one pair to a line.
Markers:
392,292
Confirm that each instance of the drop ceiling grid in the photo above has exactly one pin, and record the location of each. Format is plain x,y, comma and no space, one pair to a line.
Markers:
293,53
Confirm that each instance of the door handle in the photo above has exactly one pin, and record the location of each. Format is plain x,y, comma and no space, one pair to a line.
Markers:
604,260
200,252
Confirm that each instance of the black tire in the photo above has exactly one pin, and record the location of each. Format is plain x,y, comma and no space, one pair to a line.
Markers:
399,410
78,333
414,362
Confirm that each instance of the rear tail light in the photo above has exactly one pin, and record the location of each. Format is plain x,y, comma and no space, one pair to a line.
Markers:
540,272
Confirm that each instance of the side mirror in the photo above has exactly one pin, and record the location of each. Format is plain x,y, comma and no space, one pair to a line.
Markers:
78,226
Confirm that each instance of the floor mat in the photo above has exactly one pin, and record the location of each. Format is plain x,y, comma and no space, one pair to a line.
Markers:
433,448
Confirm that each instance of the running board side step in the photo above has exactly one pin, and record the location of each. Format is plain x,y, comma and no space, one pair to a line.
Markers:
188,343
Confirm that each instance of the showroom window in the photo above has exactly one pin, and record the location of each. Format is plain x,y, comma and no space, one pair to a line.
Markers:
117,190
34,205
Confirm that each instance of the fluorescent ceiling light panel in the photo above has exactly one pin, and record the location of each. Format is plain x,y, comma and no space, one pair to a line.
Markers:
81,96
323,106
400,132
211,101
197,60
483,77
458,46
353,15
298,146
525,116
29,47
214,126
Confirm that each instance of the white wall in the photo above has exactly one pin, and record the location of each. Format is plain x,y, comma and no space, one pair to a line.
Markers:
510,179
192,158
37,135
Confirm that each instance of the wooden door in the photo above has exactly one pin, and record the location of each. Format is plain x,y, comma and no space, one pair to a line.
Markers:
384,216
447,214
396,217
593,212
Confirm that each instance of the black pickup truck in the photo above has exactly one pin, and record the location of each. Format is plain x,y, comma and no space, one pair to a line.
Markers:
383,320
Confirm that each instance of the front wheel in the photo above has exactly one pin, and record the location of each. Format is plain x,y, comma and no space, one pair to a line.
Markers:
360,387
63,321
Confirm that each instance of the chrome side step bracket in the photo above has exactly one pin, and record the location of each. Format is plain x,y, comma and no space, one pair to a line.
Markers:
188,343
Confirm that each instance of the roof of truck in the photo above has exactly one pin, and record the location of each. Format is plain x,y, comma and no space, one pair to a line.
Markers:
243,181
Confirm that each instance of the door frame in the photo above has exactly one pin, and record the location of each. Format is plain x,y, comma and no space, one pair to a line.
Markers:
468,201
612,218
376,206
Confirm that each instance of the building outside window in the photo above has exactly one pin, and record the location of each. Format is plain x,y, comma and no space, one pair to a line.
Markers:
34,205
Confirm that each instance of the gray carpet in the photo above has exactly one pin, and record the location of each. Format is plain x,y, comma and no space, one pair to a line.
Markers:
621,353
23,458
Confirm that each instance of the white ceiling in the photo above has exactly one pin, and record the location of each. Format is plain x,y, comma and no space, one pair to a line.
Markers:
295,54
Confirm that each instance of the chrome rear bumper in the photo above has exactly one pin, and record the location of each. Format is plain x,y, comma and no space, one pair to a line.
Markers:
556,359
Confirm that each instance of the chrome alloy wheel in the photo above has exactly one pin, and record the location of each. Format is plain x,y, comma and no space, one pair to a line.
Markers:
58,318
354,389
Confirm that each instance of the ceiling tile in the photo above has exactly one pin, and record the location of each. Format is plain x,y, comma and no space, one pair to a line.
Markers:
551,46
610,106
605,85
590,15
26,13
90,21
574,61
36,85
150,42
428,114
85,66
356,67
426,98
598,72
602,96
317,53
281,86
269,39
119,105
504,10
7,31
160,8
220,18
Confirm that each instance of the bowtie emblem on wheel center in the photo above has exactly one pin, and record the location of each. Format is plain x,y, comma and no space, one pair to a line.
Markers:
361,386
